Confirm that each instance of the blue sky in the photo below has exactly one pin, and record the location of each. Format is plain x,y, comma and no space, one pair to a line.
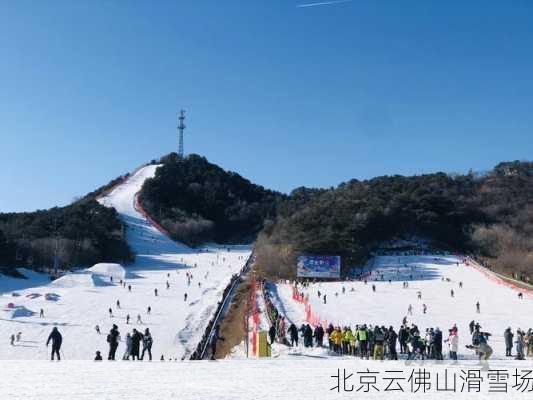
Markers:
284,95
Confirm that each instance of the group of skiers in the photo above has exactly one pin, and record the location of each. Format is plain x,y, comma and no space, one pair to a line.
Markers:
523,343
133,342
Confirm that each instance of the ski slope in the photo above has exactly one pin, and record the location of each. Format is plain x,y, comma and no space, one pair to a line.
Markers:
499,305
77,302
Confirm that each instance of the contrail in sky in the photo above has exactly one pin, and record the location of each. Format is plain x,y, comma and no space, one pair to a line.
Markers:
323,3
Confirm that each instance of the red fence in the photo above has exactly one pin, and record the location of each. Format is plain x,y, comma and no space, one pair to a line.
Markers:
497,279
312,318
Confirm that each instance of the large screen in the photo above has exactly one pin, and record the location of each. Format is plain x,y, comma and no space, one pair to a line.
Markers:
318,267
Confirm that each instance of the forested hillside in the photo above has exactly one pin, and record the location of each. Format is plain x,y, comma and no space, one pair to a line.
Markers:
490,215
196,202
84,232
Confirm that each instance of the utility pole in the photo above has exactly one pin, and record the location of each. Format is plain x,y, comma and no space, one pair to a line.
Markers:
181,128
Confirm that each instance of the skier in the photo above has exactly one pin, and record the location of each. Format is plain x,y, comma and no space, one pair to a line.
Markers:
97,329
451,292
56,339
41,313
419,295
508,336
149,310
410,310
519,344
392,337
112,339
139,320
127,353
110,312
155,292
118,304
478,308
293,334
272,334
453,343
319,335
424,308
185,297
147,344
12,340
136,338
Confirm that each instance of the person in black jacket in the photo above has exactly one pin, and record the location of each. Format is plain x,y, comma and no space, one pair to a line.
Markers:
319,335
136,338
391,342
272,334
56,339
293,334
147,344
112,339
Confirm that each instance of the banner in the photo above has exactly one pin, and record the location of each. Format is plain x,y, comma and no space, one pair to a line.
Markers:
318,267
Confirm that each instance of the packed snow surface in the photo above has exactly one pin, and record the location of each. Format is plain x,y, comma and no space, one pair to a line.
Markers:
294,378
79,301
434,277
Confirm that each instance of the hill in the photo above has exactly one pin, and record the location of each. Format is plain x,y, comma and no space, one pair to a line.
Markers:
489,215
196,202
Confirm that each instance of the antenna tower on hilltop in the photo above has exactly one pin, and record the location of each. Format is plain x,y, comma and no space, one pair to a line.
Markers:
181,128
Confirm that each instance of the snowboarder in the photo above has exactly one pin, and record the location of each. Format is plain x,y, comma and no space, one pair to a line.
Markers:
129,288
112,339
325,302
460,285
419,295
98,356
168,285
147,344
19,335
56,339
127,319
520,296
374,288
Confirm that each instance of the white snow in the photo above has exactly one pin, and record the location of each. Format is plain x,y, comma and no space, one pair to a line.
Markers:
79,301
500,306
265,379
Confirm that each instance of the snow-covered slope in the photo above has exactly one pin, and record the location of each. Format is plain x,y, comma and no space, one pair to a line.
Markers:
499,305
77,302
